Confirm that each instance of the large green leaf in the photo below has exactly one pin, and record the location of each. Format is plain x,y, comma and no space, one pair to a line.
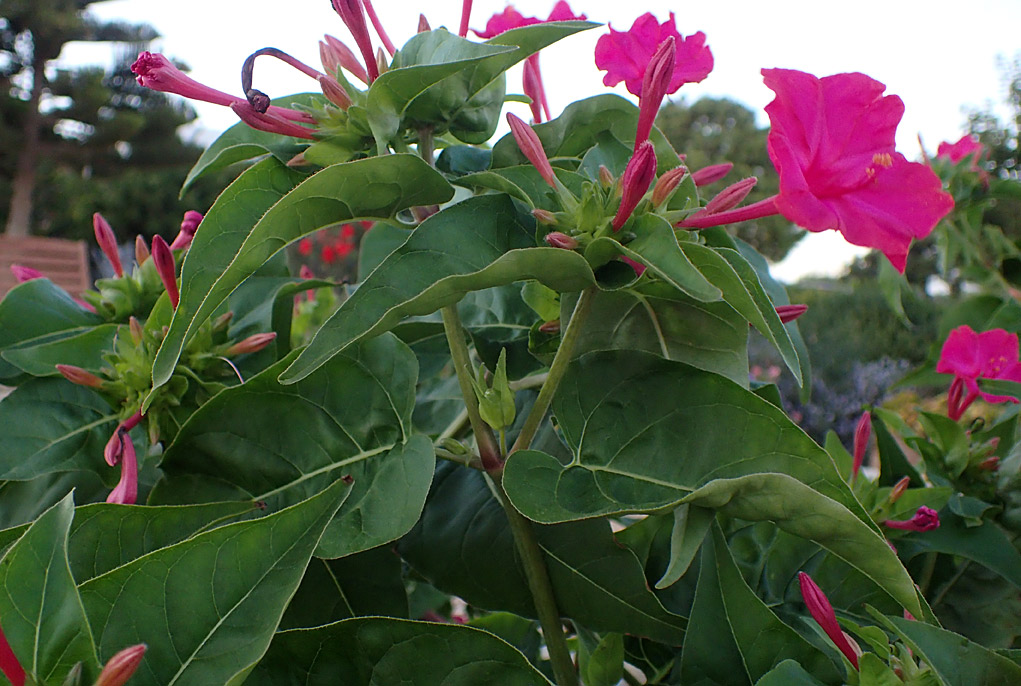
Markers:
380,650
802,511
241,142
23,501
208,606
463,546
788,673
36,312
52,425
636,424
43,618
83,350
473,245
375,187
655,318
280,444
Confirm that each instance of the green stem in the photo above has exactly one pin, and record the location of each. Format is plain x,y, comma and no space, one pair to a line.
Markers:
541,588
488,449
556,372
425,144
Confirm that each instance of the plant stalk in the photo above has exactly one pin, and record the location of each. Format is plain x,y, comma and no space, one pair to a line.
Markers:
556,372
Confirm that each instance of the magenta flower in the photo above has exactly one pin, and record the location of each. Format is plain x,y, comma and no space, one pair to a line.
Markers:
353,15
531,146
189,225
9,664
165,267
788,313
925,519
635,181
971,356
862,433
711,174
655,83
466,12
509,19
107,242
23,273
822,612
968,146
625,55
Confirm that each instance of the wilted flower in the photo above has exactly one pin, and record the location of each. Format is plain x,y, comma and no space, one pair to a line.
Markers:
189,225
126,490
925,519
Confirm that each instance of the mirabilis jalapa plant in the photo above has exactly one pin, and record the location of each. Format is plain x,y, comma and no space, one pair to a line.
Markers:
560,319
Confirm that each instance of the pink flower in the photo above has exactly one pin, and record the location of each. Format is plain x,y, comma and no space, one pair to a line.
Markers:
510,18
79,376
466,11
862,433
352,14
968,146
107,242
711,174
558,239
531,146
635,181
971,356
305,247
655,82
189,225
165,267
832,143
126,491
23,273
625,55
925,519
252,344
788,313
121,666
822,612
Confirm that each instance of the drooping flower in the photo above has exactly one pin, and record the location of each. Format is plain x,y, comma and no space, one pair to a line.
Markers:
126,490
189,225
121,666
635,181
822,612
832,143
862,433
924,519
967,146
625,55
971,356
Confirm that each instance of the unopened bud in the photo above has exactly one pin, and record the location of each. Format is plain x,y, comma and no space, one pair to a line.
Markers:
788,313
298,160
531,146
544,217
862,433
655,84
165,267
822,612
496,399
346,58
329,58
121,666
135,329
731,196
550,327
557,239
606,179
711,174
252,344
423,24
23,274
334,92
141,250
637,177
107,242
381,62
898,489
667,184
220,323
453,445
74,676
79,376
990,464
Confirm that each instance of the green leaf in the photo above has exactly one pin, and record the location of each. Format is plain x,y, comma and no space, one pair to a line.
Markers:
988,545
957,661
379,650
690,525
463,546
208,606
655,318
83,350
104,536
473,245
241,142
23,501
43,618
640,445
788,673
891,284
732,274
52,425
1000,387
280,444
35,312
600,660
874,672
368,583
374,187
804,512
893,463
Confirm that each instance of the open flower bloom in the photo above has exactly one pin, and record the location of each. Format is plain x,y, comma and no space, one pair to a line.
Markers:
971,356
832,143
625,55
968,146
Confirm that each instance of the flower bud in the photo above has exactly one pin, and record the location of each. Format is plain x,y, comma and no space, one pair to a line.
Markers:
655,84
531,146
107,242
423,24
711,174
23,274
550,327
165,267
862,433
990,464
898,489
135,328
252,344
637,178
606,179
79,376
334,92
382,65
141,250
731,196
121,666
925,519
345,57
822,612
667,184
544,217
496,399
788,313
557,239
220,323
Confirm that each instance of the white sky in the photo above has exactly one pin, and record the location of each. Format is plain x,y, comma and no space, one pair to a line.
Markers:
939,56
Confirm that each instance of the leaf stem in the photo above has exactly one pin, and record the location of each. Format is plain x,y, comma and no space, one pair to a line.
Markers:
541,588
426,144
488,449
560,362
